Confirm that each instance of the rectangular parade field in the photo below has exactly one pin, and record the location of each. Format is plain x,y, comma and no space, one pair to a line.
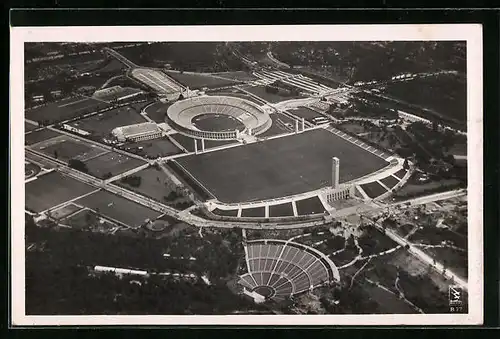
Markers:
279,167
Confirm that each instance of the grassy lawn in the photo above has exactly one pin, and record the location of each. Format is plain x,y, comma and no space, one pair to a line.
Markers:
154,184
293,164
53,189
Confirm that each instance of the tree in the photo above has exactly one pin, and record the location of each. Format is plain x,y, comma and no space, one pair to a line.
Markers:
78,165
107,175
405,164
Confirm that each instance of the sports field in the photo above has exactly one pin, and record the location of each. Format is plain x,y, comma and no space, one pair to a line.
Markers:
103,123
154,184
118,208
260,91
196,81
279,167
157,80
29,127
217,123
154,148
65,211
53,189
40,135
115,93
65,148
236,93
111,162
65,109
237,75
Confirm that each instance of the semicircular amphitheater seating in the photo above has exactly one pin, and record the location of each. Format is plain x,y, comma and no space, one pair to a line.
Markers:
181,115
284,267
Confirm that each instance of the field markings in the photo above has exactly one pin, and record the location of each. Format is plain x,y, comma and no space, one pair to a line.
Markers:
151,82
82,158
73,102
161,79
70,201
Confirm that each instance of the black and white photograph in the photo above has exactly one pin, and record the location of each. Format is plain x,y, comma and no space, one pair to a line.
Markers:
266,175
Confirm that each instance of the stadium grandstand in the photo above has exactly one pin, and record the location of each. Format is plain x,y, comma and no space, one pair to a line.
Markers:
137,132
279,269
161,83
116,93
181,115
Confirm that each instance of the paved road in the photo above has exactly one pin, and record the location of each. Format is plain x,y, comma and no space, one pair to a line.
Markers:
424,256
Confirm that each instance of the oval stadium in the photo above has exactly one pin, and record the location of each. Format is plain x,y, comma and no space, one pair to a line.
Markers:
279,269
217,117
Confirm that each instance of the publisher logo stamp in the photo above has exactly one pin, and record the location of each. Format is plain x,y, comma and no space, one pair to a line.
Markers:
455,298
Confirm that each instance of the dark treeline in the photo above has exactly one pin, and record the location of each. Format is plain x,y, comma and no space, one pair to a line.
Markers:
59,277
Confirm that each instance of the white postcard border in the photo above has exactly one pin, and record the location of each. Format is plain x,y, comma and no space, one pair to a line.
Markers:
471,33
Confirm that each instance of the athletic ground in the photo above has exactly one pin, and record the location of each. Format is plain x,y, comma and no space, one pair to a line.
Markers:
279,167
53,189
65,109
118,208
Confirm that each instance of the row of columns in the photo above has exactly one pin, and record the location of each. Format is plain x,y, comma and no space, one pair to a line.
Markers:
297,125
196,145
348,192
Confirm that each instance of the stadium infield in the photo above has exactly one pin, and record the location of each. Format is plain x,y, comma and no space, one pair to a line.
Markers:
279,167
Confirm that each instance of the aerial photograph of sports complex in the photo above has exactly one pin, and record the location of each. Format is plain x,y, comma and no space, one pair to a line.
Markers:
220,178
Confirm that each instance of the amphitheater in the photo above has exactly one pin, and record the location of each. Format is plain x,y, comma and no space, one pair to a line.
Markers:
253,118
278,269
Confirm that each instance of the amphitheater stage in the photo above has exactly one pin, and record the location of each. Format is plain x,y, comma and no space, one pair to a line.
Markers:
279,167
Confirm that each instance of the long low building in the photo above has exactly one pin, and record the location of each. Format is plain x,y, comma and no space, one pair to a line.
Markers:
137,132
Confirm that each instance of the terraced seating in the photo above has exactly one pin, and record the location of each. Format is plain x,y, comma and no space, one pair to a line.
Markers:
182,113
284,267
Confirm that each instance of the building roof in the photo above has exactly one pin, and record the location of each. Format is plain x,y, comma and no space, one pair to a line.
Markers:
137,129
